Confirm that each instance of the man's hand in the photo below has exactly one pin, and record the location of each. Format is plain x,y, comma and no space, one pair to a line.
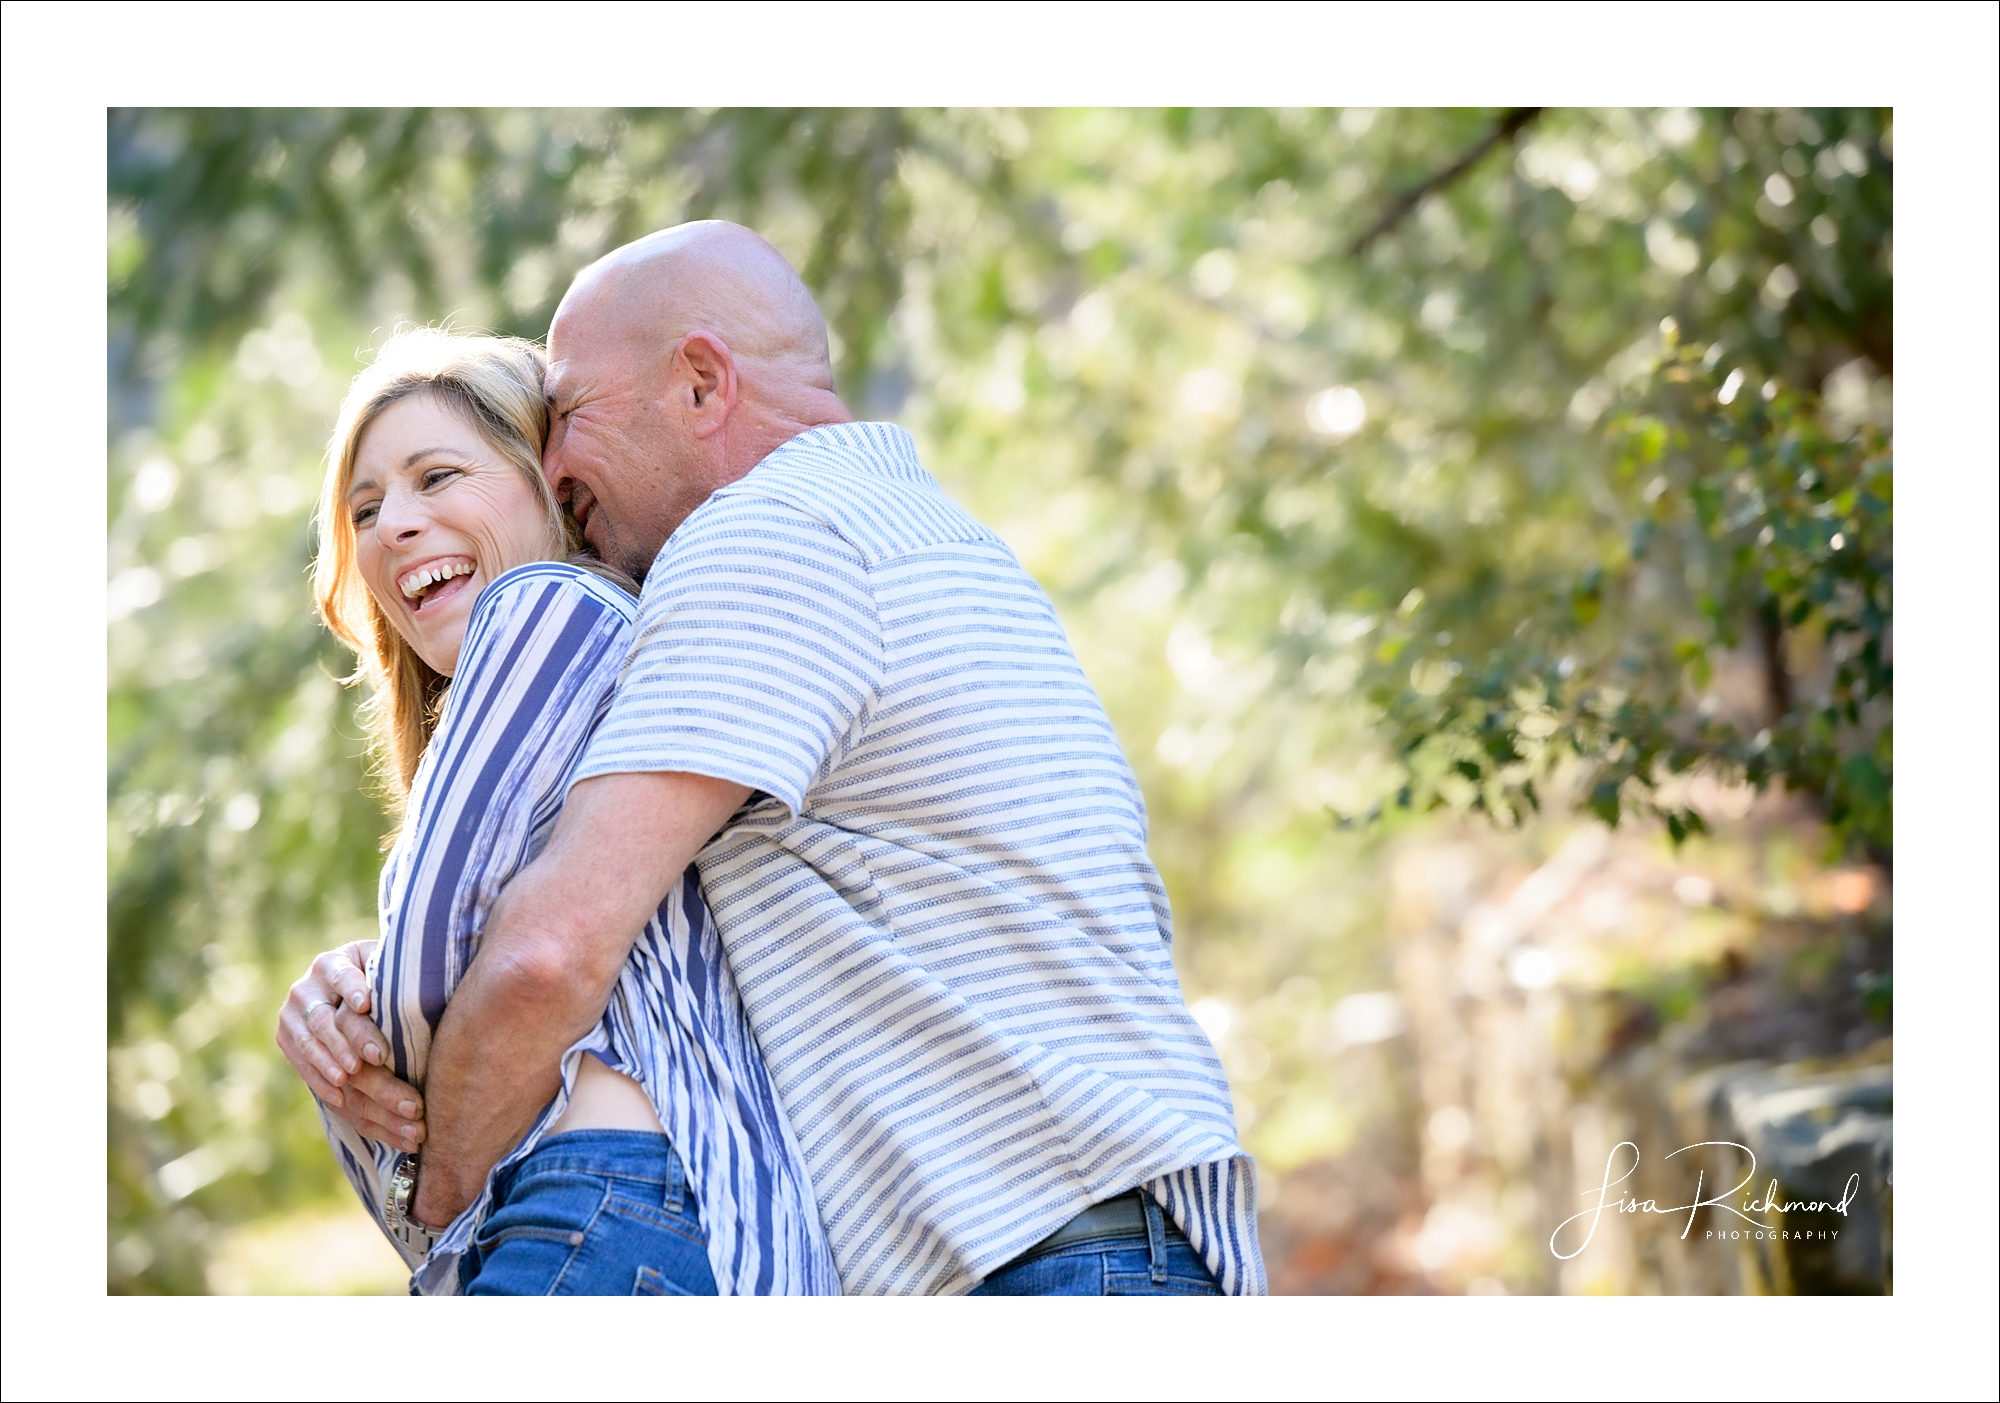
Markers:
554,946
324,1032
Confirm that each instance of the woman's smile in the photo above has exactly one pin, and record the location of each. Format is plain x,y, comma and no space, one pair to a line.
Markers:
433,582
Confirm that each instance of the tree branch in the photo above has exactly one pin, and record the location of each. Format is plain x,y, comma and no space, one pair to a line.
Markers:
1510,123
1777,677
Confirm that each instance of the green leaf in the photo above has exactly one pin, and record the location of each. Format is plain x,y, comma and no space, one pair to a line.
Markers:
1604,800
1865,778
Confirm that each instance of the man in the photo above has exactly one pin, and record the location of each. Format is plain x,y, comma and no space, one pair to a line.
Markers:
925,852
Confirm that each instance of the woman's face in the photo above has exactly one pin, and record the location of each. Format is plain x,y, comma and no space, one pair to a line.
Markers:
438,515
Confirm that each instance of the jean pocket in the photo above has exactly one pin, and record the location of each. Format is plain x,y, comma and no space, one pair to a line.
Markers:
550,1207
523,1260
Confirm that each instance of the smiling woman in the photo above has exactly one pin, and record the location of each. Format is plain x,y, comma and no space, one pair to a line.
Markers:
491,661
434,490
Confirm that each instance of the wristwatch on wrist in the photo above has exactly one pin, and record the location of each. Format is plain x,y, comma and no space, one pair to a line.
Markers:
397,1198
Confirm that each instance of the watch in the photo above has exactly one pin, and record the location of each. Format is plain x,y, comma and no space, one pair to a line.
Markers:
396,1200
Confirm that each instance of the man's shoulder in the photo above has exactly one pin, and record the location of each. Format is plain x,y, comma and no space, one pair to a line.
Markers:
737,532
863,483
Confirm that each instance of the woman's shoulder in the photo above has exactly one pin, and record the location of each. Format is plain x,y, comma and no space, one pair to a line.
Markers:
545,600
562,580
545,620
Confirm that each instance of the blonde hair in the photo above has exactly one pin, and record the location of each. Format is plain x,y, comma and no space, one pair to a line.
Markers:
495,384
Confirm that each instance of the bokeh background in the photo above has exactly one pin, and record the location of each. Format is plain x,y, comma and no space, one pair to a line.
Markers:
1477,523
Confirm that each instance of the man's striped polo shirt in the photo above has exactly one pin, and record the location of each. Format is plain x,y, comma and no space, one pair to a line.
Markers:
949,939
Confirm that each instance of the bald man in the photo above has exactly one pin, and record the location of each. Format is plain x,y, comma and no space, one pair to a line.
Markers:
850,707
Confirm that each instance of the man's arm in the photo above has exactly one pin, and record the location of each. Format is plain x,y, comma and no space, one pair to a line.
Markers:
553,949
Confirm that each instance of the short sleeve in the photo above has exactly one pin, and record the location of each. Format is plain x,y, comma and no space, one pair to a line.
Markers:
758,651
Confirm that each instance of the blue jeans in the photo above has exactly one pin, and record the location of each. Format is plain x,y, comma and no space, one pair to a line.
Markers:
1156,1262
592,1213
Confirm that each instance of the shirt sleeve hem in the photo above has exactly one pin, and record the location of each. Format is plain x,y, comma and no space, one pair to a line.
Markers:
708,766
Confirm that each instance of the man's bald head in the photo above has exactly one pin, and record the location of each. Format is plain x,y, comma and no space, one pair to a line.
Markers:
677,364
711,276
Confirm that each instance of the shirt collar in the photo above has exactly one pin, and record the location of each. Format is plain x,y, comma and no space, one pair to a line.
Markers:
873,447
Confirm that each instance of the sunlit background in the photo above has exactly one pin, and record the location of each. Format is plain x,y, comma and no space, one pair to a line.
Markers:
1477,524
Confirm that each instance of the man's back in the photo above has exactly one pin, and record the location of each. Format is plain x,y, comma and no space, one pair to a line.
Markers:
939,908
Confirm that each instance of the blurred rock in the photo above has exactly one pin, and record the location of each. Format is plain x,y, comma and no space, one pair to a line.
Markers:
1825,1138
1651,1021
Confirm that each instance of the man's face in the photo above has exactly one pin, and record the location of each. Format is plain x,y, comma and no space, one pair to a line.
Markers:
616,452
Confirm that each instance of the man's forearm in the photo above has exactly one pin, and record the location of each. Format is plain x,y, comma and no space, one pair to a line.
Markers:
552,952
495,1061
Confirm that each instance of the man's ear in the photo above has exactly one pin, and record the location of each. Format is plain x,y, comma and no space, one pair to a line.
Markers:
706,381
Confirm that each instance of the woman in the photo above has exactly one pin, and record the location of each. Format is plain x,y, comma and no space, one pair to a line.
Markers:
665,1163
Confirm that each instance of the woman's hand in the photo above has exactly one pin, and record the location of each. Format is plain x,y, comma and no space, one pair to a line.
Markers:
324,1032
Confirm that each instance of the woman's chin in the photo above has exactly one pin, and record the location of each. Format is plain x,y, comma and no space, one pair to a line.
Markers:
440,650
440,635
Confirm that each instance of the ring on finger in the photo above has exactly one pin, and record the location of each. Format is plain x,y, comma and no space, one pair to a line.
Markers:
318,1004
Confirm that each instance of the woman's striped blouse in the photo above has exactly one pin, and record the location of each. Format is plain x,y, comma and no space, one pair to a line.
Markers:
542,655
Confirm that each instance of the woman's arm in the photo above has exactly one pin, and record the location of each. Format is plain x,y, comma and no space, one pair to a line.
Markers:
541,657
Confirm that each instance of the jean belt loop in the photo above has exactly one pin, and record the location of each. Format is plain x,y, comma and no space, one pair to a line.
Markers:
1156,1236
676,1182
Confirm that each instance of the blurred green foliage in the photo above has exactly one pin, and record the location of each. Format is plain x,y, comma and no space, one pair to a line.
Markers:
1750,525
1375,460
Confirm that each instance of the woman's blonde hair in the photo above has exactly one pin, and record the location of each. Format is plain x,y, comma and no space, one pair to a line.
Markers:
495,384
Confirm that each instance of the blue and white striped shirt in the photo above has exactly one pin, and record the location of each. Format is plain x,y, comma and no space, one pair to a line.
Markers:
938,905
542,653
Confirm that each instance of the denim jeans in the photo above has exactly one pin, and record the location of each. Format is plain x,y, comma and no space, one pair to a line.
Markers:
592,1213
1156,1262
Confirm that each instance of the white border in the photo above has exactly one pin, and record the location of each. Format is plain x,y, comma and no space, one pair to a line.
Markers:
64,64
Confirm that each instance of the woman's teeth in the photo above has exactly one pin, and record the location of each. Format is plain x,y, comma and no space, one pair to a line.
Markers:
418,581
